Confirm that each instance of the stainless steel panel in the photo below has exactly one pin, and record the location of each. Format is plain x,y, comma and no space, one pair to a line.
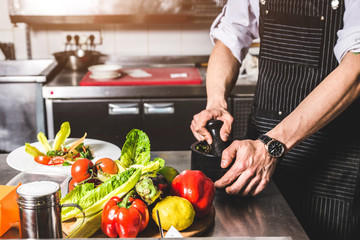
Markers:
26,70
21,114
114,11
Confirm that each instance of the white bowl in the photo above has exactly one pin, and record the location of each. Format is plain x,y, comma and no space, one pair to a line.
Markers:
104,71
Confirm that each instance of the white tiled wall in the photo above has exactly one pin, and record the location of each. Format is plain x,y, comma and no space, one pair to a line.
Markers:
135,40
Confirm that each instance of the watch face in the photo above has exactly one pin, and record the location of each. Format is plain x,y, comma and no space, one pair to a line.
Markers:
275,148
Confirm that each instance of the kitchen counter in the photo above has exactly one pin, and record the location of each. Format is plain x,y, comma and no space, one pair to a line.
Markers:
66,84
266,216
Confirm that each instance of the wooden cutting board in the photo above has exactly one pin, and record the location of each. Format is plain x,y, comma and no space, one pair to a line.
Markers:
198,227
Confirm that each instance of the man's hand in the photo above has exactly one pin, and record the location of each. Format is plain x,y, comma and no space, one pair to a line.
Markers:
198,124
251,171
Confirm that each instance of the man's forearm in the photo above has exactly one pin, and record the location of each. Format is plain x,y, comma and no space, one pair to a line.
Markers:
323,104
222,73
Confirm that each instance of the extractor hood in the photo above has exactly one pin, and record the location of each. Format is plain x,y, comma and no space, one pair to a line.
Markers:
114,11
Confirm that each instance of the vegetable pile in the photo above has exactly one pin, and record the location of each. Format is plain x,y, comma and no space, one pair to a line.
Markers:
58,154
119,196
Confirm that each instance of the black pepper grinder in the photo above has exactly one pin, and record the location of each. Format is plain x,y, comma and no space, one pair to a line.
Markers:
217,145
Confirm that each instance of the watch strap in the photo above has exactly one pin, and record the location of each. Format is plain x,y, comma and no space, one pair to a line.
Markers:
265,139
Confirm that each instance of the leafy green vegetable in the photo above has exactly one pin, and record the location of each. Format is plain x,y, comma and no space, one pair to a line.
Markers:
136,149
44,141
119,191
93,201
61,135
77,193
91,225
152,166
33,151
66,163
84,151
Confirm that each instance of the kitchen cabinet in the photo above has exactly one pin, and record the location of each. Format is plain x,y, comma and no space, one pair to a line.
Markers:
166,121
109,120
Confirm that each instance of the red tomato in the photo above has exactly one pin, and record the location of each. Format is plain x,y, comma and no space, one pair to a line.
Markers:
107,165
56,160
72,184
82,169
42,159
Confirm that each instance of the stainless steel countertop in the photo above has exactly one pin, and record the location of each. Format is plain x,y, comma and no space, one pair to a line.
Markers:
66,84
40,70
266,216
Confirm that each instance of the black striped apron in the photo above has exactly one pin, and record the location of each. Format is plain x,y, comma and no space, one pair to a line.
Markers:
319,178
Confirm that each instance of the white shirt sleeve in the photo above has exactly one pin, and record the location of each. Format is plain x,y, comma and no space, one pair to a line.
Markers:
236,26
349,36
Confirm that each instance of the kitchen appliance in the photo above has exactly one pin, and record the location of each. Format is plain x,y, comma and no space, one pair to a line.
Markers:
22,113
207,158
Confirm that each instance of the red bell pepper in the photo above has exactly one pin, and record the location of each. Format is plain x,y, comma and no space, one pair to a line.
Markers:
124,218
197,188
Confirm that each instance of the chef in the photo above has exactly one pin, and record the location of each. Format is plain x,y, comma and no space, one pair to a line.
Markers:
304,130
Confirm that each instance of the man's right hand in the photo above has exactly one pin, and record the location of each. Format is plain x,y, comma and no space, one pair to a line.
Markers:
198,124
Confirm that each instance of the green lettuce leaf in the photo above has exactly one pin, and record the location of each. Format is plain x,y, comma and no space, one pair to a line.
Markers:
85,228
75,195
61,135
44,141
152,166
136,149
33,151
94,200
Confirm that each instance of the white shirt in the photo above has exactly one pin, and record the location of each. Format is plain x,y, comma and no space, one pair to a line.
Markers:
238,24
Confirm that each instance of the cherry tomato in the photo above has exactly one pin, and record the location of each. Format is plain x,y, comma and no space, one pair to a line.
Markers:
81,169
107,165
72,184
56,160
42,159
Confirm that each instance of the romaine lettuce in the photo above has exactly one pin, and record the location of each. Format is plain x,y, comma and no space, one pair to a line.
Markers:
61,135
93,200
136,149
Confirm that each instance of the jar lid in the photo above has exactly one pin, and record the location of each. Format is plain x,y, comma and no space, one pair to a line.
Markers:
38,188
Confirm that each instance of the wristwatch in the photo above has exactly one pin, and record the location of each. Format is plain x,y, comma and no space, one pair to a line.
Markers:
274,147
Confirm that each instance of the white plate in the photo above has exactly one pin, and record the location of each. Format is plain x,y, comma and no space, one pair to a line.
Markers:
22,161
104,77
104,68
